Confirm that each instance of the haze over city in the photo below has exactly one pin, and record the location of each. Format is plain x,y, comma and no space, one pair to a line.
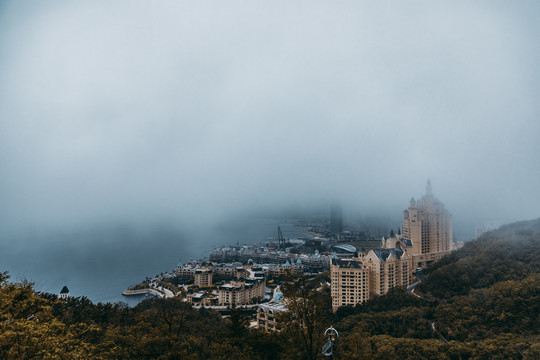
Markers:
190,115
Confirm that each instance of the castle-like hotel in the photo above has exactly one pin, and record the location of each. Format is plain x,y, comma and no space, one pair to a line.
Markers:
426,236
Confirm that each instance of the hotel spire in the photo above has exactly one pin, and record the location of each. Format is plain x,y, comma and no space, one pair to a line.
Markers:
428,188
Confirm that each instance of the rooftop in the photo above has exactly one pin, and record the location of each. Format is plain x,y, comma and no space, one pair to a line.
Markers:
348,263
407,242
383,254
345,247
273,306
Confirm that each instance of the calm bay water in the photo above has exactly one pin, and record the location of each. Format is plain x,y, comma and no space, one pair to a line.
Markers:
101,262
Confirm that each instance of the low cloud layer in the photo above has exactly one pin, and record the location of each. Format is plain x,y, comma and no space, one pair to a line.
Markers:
192,112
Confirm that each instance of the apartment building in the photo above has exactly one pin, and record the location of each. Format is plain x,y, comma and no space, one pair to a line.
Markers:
241,292
203,276
268,314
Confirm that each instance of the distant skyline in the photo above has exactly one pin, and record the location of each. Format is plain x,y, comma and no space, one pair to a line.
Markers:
192,113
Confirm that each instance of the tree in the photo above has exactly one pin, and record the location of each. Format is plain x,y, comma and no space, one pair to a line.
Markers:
309,315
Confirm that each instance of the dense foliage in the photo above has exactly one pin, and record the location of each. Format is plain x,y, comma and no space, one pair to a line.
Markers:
481,302
510,253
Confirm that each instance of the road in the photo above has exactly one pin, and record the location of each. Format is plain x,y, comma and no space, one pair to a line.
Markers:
166,292
438,333
411,290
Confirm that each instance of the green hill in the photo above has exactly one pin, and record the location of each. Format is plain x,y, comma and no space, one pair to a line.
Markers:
510,253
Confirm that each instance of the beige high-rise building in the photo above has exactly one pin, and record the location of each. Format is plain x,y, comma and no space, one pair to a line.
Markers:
350,282
428,225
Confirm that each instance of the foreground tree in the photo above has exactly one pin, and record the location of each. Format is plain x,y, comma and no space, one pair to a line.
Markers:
309,315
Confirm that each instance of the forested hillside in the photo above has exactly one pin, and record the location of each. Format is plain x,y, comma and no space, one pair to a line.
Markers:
510,253
481,302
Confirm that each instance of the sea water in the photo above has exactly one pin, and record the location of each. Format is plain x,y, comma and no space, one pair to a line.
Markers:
101,262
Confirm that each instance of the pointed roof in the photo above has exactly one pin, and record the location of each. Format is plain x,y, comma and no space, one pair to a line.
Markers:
406,242
64,290
383,254
347,263
429,190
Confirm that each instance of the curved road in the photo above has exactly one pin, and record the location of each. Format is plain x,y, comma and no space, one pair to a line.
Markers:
166,292
432,322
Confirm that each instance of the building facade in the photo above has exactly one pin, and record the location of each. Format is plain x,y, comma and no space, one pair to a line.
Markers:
268,314
427,224
426,237
203,277
241,292
350,282
389,268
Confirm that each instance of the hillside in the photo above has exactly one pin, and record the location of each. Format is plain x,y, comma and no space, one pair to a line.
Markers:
510,253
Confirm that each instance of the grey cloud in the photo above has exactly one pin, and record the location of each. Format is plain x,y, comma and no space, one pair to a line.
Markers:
156,112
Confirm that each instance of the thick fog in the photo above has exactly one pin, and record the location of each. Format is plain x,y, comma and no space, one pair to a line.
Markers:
191,113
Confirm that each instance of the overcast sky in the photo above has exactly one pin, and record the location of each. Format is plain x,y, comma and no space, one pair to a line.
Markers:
181,111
